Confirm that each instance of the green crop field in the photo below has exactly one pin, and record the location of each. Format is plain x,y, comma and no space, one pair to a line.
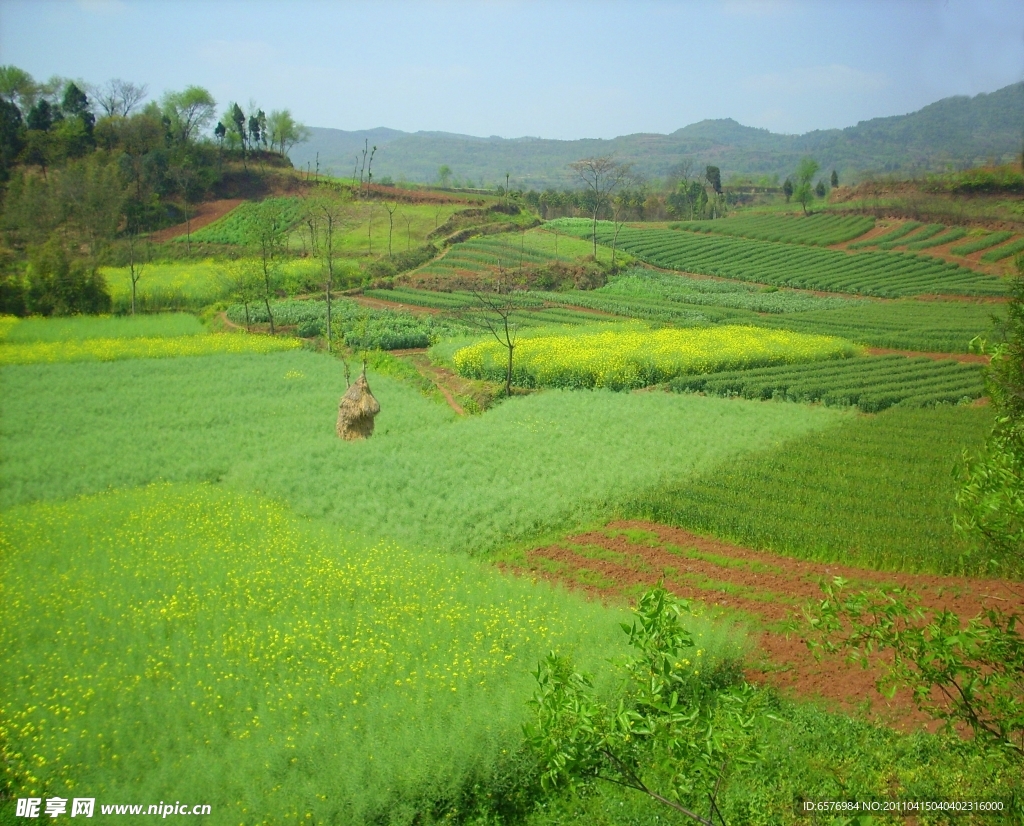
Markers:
353,324
1000,253
869,273
949,236
919,235
893,235
982,242
236,226
819,230
79,328
194,633
872,384
266,422
877,491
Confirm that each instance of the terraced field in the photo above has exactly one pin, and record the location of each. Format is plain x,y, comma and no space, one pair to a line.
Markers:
872,384
889,275
818,230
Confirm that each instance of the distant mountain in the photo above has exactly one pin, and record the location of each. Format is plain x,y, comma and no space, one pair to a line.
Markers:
958,131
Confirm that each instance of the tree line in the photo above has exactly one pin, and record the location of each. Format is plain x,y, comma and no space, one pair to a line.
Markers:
86,170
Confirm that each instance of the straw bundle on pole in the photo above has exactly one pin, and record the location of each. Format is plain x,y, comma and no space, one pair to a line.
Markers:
357,410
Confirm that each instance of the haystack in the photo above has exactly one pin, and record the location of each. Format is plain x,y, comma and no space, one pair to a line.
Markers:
356,411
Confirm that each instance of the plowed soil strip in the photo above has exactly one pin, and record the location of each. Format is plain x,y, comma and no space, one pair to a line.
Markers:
206,214
767,591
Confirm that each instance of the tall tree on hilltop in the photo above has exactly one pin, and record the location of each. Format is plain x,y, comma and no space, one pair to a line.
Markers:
189,112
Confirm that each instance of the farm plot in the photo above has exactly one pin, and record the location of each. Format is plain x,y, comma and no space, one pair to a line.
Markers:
237,225
267,423
869,273
893,235
209,645
890,472
352,324
872,384
640,357
982,242
106,339
818,230
192,285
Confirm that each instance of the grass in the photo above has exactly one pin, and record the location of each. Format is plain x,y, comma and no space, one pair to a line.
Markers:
1002,252
877,491
206,645
79,328
640,357
267,423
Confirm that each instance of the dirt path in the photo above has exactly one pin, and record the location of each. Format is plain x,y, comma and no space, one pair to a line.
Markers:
766,591
206,214
381,304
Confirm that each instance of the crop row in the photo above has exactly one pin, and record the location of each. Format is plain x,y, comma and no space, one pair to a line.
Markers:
948,237
640,357
868,273
925,232
999,253
891,235
872,384
989,239
116,349
820,229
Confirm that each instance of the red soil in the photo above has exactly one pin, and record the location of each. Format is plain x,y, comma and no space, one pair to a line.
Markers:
767,590
206,213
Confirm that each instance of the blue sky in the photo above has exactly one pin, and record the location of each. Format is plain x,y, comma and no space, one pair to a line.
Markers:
548,69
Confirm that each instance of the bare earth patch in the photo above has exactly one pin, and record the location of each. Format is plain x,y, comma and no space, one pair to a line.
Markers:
206,213
767,592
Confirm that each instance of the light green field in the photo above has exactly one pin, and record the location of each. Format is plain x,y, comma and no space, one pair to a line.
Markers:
267,423
209,646
78,328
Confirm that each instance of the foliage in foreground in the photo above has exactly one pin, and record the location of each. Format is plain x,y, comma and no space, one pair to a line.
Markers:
963,674
642,357
691,728
209,645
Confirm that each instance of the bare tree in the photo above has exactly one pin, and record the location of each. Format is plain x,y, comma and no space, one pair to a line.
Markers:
266,236
602,176
186,179
498,319
135,262
119,97
327,213
391,207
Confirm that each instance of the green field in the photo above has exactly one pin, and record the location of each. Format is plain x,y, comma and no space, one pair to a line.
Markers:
872,384
80,328
194,633
1003,252
877,491
887,274
266,422
818,230
982,242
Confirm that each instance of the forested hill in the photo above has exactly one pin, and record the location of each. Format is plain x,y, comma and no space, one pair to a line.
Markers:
962,131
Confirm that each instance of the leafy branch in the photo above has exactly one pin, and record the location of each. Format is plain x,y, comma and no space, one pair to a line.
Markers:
666,718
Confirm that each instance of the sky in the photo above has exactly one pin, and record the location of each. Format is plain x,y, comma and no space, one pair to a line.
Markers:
516,68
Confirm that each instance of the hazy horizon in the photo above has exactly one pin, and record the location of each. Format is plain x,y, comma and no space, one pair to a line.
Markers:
516,68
